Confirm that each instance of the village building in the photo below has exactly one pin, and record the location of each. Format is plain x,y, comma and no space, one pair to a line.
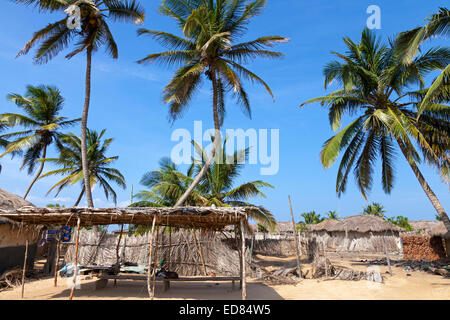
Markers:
13,235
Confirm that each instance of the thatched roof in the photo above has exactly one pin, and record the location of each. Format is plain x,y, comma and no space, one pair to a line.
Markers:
363,223
324,225
431,228
10,201
284,227
183,217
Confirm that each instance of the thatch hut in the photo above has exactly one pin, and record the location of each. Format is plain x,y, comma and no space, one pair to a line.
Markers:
13,236
366,234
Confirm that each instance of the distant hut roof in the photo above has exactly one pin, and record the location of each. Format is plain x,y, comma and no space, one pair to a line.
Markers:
363,223
284,227
324,225
10,201
431,228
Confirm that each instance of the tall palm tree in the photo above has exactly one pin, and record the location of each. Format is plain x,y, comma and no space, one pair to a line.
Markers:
373,90
207,48
41,125
99,165
93,34
375,209
409,42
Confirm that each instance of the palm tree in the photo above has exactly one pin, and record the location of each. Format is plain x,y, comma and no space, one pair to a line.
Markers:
375,209
100,170
207,48
166,185
374,86
216,188
409,42
41,123
94,33
218,183
332,215
312,217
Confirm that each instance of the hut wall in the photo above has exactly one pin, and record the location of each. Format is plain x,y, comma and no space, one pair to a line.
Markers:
374,242
282,245
12,246
423,247
100,249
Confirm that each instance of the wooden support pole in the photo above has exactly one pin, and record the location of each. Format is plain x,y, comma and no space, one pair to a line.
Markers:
75,267
117,253
325,259
169,267
154,262
294,229
58,252
244,285
24,267
149,289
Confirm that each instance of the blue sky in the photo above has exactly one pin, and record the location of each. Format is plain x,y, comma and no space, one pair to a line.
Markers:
126,100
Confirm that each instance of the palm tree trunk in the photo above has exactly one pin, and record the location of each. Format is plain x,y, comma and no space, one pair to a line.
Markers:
84,160
426,188
44,153
217,138
79,197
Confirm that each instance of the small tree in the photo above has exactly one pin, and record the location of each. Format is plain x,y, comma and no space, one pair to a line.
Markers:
375,209
312,217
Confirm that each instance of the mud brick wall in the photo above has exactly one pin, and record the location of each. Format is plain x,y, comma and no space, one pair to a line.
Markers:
421,247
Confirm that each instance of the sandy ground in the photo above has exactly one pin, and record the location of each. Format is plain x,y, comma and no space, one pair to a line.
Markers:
417,285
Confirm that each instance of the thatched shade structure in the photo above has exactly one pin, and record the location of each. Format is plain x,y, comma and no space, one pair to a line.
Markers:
184,217
207,218
366,234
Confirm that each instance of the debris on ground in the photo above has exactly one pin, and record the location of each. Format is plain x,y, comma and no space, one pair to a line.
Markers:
278,276
440,267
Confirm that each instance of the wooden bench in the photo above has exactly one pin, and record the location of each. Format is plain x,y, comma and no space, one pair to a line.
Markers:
103,280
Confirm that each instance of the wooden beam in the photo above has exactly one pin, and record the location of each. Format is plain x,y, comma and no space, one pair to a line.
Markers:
294,229
24,267
149,289
75,267
244,285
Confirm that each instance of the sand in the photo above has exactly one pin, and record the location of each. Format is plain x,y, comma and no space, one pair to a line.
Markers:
417,285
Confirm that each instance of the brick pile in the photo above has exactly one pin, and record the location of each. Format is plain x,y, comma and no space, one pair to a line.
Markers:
422,247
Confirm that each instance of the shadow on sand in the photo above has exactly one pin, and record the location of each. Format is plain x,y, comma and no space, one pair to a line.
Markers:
126,289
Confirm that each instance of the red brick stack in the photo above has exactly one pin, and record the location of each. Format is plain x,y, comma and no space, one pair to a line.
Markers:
422,247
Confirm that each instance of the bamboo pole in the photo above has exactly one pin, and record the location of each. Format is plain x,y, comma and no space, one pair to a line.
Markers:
75,267
24,267
150,259
244,285
58,248
117,252
296,240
